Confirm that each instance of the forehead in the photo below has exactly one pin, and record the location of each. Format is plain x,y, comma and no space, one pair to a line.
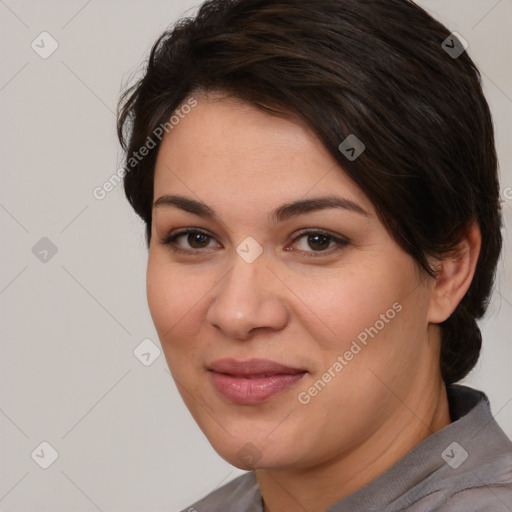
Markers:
235,154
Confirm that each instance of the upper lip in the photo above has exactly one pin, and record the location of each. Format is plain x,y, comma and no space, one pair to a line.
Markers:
251,367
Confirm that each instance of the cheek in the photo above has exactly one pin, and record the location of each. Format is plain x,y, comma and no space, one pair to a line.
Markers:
344,305
368,355
174,300
380,333
380,307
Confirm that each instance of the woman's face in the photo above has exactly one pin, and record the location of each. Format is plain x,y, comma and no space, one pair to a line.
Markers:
280,275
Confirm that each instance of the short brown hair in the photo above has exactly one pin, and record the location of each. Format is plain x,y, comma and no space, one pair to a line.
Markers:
373,68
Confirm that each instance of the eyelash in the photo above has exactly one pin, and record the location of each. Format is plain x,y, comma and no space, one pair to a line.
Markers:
341,242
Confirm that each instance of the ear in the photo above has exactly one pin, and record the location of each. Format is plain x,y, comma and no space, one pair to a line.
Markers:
454,274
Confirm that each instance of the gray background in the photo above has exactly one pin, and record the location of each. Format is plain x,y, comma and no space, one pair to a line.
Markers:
69,324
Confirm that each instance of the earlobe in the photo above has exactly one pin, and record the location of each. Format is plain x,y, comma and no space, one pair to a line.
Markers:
454,274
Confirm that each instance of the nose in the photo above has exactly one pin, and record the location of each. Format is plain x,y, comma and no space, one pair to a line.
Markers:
248,300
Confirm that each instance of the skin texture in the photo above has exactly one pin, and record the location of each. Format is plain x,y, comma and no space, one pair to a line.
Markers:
299,310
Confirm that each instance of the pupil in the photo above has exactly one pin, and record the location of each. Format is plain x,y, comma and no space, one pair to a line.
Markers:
197,237
315,239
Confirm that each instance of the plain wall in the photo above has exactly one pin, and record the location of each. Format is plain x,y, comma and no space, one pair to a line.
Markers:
69,325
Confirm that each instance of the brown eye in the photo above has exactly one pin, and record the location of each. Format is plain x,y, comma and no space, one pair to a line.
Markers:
318,242
189,241
197,240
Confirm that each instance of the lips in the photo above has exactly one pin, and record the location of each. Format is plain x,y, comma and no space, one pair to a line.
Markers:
252,368
252,381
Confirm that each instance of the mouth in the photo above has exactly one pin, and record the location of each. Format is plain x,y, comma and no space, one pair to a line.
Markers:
252,381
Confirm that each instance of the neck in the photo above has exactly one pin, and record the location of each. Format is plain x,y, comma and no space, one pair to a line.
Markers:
317,488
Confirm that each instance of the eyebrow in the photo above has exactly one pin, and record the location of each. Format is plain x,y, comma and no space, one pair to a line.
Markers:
280,214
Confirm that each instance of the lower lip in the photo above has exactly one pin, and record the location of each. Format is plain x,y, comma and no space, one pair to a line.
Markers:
241,390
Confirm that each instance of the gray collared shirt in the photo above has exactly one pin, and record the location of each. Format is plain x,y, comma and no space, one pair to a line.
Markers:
465,467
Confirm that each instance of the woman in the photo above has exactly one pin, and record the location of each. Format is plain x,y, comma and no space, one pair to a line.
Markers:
319,186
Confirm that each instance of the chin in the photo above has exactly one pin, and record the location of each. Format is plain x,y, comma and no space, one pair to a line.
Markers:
256,454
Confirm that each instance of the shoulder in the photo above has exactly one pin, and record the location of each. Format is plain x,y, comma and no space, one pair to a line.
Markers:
467,466
486,487
240,495
476,474
482,483
485,498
